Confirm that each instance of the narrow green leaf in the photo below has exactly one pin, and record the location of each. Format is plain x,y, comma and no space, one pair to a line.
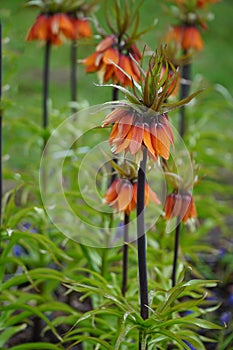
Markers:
9,332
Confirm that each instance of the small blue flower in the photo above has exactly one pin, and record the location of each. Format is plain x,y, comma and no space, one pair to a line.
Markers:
212,297
225,317
28,227
189,345
230,299
222,252
17,250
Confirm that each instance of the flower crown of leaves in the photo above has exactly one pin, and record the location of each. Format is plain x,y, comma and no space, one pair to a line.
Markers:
55,6
154,87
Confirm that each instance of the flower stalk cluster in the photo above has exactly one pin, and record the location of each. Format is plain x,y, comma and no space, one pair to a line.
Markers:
141,127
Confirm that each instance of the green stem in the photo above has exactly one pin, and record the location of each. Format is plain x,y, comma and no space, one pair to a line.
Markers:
176,249
141,237
125,255
184,92
73,74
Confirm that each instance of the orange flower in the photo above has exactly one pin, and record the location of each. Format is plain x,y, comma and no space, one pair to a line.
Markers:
61,27
40,29
202,3
108,54
188,37
122,195
199,3
81,28
132,131
180,204
53,28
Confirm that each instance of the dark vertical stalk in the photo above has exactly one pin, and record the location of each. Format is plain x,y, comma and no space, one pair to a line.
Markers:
73,74
1,187
141,243
115,94
45,119
46,87
141,237
125,255
184,92
176,249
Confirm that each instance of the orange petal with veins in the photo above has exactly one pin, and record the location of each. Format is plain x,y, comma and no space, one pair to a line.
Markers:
114,116
113,133
147,140
125,143
136,138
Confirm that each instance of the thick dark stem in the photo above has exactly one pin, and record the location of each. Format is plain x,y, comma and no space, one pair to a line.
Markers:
73,74
46,84
176,249
115,94
125,255
184,92
141,238
1,186
45,105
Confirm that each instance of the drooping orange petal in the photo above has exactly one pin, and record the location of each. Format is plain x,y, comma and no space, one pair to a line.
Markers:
116,115
81,28
124,125
136,138
120,76
66,25
147,140
135,188
163,142
125,195
184,210
169,205
106,43
90,62
167,128
109,71
113,134
160,140
129,71
191,211
111,55
192,39
124,144
40,29
177,205
111,193
61,23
